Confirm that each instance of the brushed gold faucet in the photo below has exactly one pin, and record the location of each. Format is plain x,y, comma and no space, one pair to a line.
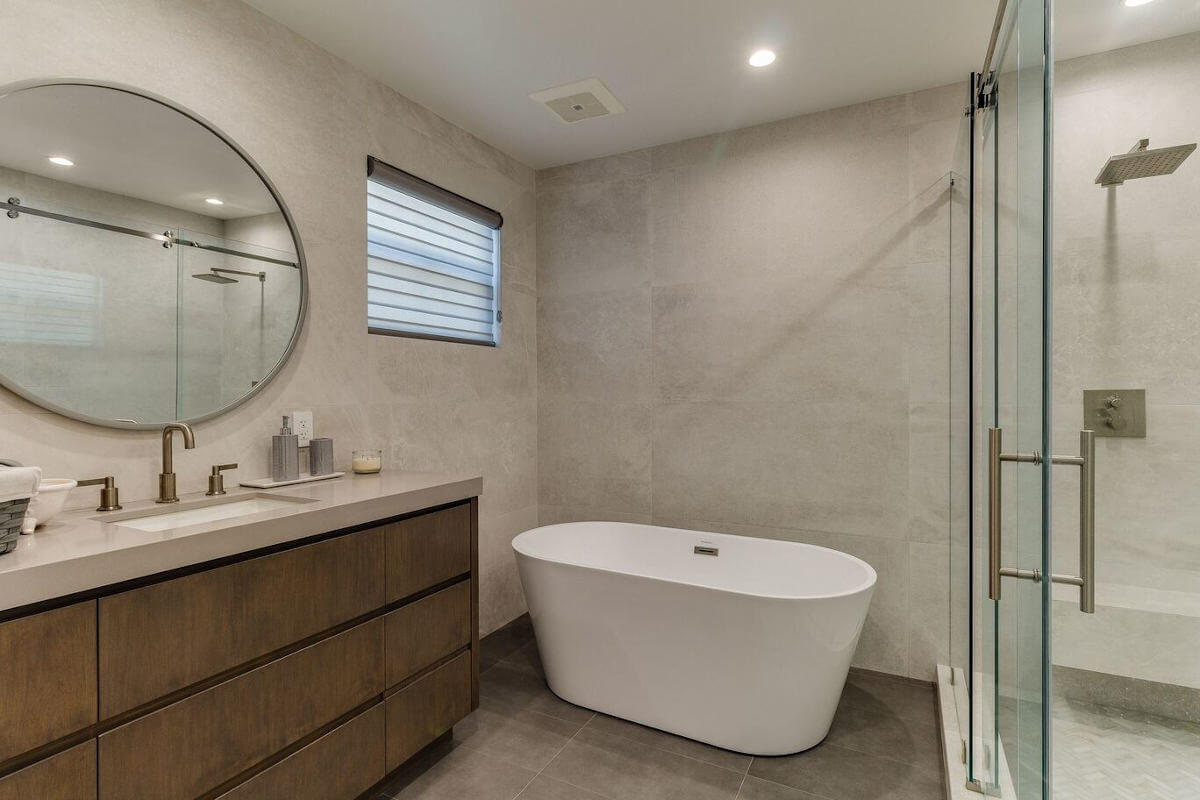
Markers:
166,478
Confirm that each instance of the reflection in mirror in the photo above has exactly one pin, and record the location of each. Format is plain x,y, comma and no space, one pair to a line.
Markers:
147,272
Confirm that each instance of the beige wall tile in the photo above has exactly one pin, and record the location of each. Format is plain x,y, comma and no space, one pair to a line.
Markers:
799,340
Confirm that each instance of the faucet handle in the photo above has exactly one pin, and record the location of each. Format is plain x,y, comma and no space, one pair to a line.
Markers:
109,498
216,481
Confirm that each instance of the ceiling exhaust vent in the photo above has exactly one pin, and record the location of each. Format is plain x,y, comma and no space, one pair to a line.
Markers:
575,102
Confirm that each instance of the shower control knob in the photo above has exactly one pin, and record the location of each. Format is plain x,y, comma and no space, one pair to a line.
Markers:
1113,401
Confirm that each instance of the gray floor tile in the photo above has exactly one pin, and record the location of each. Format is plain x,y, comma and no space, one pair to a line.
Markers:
500,644
891,696
464,774
526,657
626,770
838,772
881,734
521,689
758,789
667,741
544,788
516,735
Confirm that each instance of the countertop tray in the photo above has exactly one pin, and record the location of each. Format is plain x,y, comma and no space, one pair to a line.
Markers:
267,483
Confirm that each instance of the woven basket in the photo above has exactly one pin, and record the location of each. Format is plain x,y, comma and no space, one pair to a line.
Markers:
12,514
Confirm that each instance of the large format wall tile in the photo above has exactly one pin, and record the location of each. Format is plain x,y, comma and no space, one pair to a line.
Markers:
1125,317
789,376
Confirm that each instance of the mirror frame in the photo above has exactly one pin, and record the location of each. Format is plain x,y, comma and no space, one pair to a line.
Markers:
301,262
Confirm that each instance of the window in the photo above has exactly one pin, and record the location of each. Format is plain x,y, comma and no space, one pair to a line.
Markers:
433,260
49,306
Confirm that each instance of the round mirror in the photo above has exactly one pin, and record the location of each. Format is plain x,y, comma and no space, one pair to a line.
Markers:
149,271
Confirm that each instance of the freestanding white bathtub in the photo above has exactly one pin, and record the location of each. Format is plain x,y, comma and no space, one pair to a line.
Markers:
747,649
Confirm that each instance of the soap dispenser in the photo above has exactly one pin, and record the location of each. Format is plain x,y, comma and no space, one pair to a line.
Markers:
285,454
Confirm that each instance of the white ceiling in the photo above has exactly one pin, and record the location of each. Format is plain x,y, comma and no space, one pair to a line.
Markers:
679,66
127,145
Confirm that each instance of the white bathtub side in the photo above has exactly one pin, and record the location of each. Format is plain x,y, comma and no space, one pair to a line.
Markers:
753,674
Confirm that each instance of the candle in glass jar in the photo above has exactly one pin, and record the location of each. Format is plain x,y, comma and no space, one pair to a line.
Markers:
365,462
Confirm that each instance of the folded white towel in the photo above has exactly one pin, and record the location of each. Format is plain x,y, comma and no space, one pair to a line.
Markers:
18,482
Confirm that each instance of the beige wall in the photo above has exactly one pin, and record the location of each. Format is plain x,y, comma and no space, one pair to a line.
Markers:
1126,289
310,120
748,333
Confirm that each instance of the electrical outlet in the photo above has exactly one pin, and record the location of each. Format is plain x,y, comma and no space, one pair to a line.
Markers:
302,426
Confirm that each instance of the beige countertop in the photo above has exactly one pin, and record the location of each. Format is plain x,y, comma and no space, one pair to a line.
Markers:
81,550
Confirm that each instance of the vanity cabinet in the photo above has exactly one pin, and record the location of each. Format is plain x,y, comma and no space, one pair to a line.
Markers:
69,775
426,708
309,671
160,638
198,743
343,763
48,664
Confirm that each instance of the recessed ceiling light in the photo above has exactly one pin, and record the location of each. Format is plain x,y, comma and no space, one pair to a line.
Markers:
1134,3
214,201
62,161
761,58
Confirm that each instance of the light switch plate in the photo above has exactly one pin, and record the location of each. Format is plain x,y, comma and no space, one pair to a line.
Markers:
302,426
1115,412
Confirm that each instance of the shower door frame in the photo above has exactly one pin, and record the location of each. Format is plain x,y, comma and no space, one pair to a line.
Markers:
1014,622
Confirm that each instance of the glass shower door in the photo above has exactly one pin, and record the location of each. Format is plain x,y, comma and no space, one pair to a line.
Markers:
1008,746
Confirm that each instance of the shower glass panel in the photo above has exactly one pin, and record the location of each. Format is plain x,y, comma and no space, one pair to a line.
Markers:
236,315
1008,745
1126,679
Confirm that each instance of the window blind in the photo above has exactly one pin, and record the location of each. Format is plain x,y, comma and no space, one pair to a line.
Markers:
49,306
433,260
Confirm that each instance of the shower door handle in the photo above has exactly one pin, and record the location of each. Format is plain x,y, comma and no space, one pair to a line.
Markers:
1086,461
1086,579
996,456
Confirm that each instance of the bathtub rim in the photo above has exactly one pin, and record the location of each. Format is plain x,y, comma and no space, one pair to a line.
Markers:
867,586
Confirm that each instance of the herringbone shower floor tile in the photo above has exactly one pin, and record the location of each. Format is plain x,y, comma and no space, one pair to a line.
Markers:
1105,753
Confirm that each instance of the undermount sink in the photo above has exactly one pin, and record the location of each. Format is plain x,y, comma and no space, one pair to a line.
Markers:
200,511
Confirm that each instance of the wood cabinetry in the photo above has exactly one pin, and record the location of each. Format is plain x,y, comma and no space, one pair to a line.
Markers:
69,775
343,763
423,632
427,550
190,747
426,708
166,636
306,672
48,661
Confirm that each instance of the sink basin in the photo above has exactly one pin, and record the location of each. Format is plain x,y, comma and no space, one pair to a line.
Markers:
200,511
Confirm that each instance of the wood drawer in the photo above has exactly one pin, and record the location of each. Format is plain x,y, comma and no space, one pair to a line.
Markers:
420,633
194,745
427,708
160,638
48,664
426,550
341,765
69,775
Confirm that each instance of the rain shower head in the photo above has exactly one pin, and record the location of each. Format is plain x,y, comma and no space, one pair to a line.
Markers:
1141,162
214,277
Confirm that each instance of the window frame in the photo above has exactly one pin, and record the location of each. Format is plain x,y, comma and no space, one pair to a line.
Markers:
416,187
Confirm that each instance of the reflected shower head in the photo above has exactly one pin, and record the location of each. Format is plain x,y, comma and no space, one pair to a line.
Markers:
1141,162
214,277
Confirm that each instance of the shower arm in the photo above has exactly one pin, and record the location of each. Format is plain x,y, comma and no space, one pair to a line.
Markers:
167,238
1086,461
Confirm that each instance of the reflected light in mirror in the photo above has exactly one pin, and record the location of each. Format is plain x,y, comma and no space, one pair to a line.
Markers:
62,161
214,201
